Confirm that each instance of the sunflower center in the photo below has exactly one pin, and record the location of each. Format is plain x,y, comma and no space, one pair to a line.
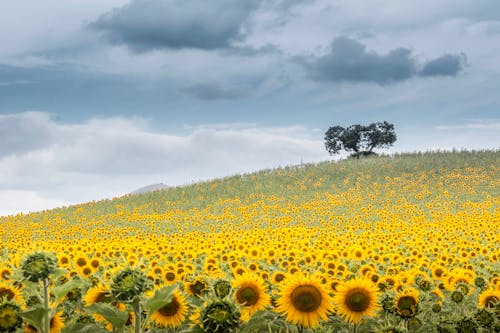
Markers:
357,300
247,296
7,293
170,309
306,298
103,297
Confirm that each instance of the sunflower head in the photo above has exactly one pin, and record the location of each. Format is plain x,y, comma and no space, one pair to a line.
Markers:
406,303
220,316
304,300
38,266
128,284
197,287
171,314
250,294
10,320
357,298
489,298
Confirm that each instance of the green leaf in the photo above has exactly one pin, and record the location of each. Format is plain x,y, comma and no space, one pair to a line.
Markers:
83,328
61,291
161,298
58,272
116,317
35,316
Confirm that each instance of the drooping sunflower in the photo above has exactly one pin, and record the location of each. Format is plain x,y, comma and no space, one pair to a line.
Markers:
406,303
489,298
304,300
172,314
356,298
250,294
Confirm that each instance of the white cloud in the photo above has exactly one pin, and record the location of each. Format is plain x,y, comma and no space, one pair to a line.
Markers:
103,158
20,201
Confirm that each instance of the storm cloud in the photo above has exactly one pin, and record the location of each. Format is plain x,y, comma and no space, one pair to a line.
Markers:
349,61
446,65
145,25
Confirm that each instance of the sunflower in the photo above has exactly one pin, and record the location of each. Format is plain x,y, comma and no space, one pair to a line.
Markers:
56,323
98,294
10,293
489,298
172,314
304,300
197,287
406,303
9,317
356,298
250,294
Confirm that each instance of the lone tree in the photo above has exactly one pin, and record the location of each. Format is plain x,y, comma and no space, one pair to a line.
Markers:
359,139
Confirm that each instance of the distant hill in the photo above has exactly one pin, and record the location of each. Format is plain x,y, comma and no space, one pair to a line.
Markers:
150,188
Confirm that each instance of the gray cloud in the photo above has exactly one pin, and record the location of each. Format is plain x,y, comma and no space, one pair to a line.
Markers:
446,65
350,61
146,25
212,91
24,132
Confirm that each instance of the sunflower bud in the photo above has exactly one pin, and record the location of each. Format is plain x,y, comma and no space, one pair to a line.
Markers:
128,284
457,296
222,288
220,317
484,318
38,266
466,326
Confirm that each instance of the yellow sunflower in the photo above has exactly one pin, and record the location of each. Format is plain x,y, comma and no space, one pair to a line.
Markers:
250,294
98,294
172,314
489,298
304,300
356,298
10,293
56,323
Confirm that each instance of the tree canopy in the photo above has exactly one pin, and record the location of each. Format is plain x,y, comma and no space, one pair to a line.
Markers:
360,139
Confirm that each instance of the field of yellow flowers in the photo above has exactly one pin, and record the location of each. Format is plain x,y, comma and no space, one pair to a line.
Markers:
408,243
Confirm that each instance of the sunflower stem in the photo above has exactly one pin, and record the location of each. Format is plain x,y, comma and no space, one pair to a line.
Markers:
354,328
137,312
46,317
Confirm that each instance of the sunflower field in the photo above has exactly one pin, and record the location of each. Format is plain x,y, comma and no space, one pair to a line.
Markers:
407,243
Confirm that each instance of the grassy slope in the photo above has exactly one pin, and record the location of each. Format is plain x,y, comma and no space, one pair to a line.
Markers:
297,183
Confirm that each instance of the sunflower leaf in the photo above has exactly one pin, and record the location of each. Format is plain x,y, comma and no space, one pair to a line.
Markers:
63,290
83,328
161,298
34,316
116,317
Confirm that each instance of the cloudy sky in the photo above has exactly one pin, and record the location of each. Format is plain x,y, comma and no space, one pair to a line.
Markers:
100,97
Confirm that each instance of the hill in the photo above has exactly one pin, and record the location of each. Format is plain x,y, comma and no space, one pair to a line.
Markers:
409,241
